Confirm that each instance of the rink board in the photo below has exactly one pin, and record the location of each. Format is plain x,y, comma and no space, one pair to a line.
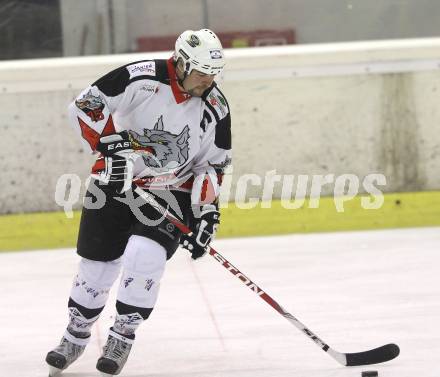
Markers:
52,230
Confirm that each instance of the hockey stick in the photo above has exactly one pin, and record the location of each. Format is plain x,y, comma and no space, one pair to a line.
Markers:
373,356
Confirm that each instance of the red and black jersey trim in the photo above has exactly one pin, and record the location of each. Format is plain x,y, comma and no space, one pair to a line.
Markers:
115,82
206,119
223,135
91,136
208,104
213,111
185,186
99,165
179,95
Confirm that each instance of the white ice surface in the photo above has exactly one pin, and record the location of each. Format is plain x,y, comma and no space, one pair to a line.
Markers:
355,290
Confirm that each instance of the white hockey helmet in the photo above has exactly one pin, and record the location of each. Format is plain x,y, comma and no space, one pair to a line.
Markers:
200,50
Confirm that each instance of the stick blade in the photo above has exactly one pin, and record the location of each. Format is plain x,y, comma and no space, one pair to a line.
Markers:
375,356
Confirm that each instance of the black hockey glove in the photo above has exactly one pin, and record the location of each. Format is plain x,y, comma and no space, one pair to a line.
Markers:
115,149
204,232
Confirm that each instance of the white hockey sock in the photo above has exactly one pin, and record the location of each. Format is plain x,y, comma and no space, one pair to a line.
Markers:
127,324
92,284
80,326
89,294
143,267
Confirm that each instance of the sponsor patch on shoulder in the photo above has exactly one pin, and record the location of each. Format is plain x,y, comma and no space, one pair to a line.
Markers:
218,102
143,68
149,88
92,105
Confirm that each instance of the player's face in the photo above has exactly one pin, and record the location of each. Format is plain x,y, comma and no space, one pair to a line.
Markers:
197,82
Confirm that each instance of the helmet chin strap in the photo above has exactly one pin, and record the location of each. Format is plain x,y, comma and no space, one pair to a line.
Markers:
180,81
185,74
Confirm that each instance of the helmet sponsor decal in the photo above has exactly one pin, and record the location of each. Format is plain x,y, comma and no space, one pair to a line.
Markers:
216,54
193,40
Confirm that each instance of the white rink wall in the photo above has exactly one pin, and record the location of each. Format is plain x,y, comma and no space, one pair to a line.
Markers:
360,108
85,22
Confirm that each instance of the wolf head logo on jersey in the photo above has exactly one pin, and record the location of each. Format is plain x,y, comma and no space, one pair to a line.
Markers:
91,105
162,150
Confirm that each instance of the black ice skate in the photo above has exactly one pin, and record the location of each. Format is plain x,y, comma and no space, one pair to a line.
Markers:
115,354
64,354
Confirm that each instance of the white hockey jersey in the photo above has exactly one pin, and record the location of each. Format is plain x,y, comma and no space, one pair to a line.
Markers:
182,142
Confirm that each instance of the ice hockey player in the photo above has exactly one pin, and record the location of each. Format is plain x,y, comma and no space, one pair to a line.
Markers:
162,126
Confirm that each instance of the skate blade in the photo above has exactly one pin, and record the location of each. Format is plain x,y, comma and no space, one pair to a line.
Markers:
54,372
106,374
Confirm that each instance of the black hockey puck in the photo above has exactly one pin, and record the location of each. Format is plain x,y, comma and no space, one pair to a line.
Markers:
370,373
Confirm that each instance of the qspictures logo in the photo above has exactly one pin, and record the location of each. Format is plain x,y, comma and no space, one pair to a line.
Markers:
296,192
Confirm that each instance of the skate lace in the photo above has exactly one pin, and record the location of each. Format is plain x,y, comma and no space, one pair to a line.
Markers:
116,349
69,350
